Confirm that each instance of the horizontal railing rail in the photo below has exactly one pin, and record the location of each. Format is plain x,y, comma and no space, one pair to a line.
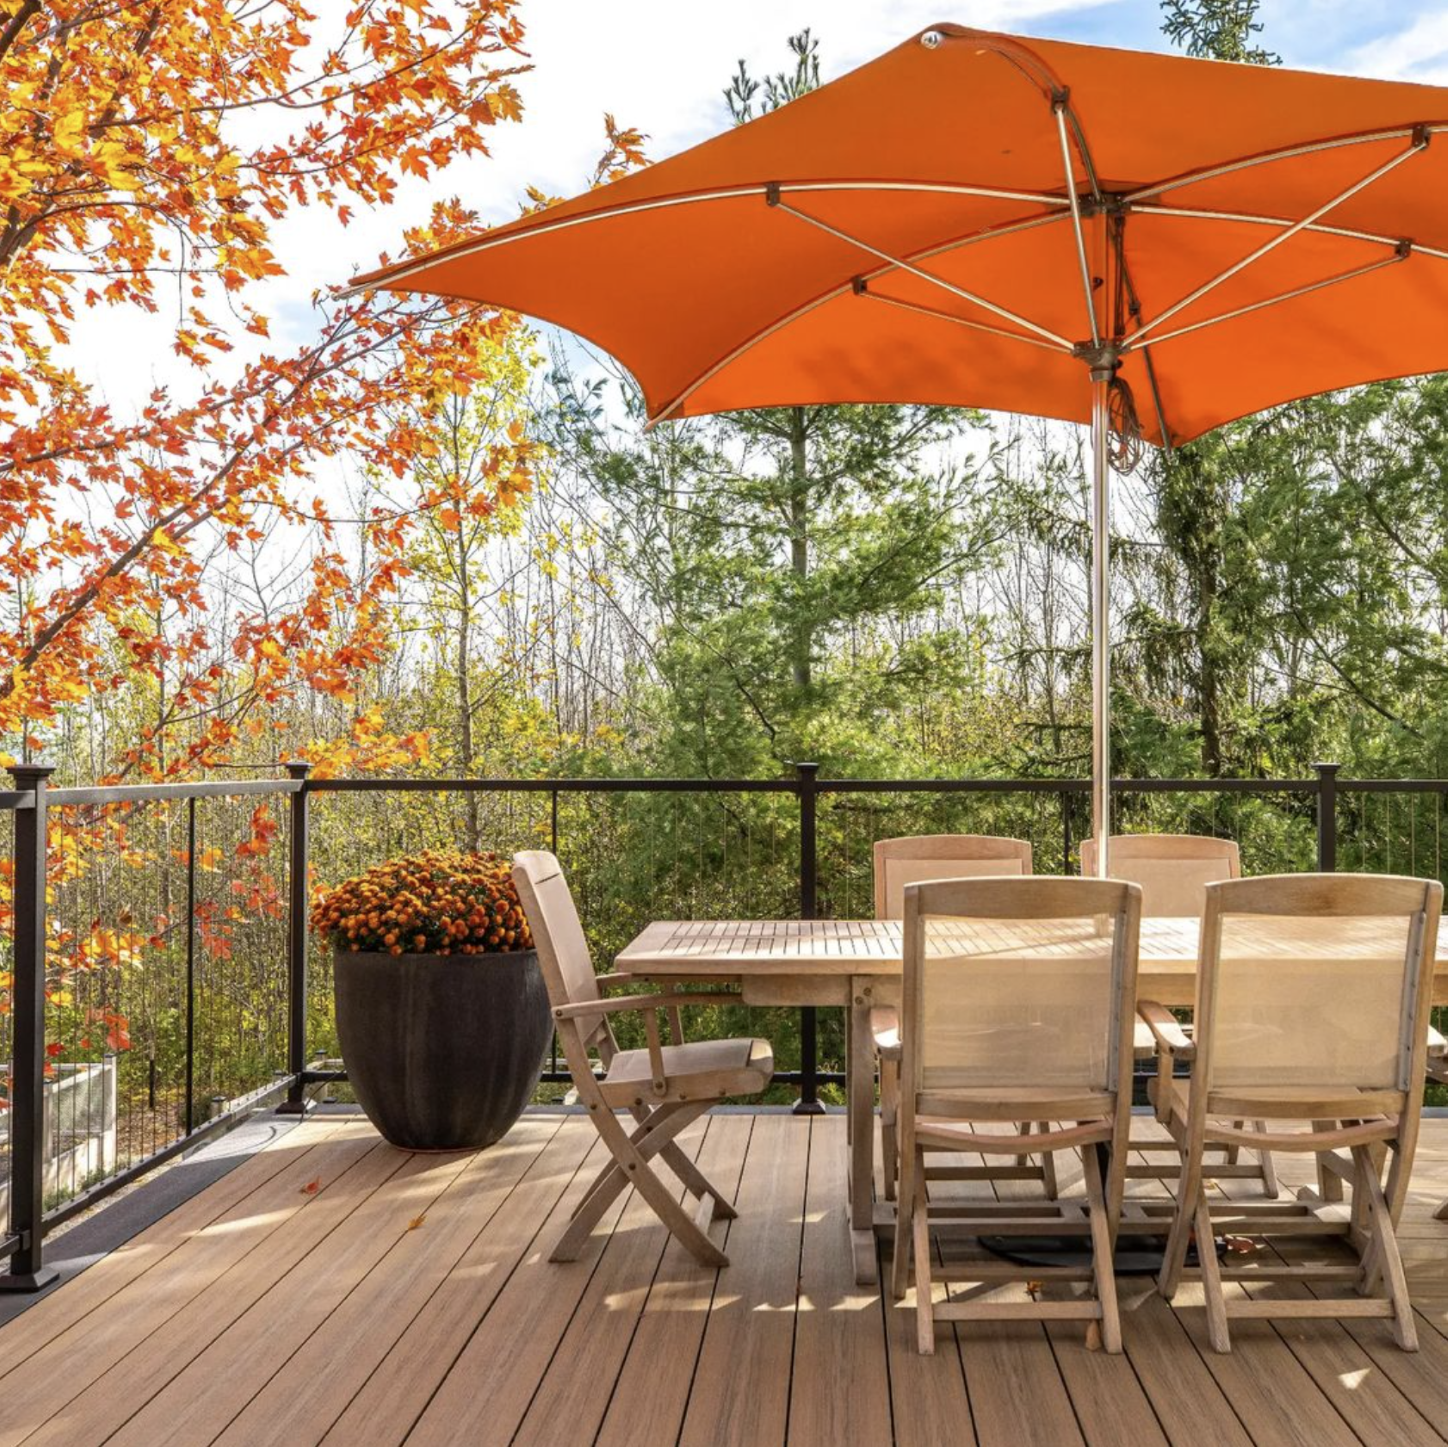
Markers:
812,857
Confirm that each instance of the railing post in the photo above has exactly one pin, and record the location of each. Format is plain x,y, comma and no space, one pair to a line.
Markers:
296,1102
1326,817
190,973
26,1271
809,1065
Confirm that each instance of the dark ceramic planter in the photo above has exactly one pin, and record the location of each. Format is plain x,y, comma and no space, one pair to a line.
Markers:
443,1051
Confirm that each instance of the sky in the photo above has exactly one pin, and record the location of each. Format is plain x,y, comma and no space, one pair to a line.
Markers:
661,66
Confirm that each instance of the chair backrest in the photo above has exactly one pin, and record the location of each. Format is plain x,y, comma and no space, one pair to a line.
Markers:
1316,980
1010,983
899,862
1173,870
563,954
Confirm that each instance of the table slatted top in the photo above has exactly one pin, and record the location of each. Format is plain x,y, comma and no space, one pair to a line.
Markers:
868,946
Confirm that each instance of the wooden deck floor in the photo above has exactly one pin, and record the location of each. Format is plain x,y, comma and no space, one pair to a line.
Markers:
334,1289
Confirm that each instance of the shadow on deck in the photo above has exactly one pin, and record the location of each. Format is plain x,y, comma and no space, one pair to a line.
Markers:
333,1288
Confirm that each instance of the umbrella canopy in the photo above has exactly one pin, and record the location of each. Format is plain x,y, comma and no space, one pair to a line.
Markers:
1155,244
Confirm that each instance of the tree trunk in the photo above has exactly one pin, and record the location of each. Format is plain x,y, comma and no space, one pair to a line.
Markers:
465,702
803,642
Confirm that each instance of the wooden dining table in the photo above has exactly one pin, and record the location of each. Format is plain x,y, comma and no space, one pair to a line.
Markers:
857,964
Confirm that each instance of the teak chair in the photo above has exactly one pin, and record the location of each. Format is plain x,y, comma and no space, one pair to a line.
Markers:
909,860
1016,1008
1173,871
1359,951
664,1087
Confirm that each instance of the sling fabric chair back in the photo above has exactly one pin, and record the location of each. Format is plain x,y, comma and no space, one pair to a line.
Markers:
918,857
1356,953
1017,1007
1173,870
909,860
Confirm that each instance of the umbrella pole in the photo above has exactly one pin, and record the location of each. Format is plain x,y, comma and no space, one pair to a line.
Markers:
1100,614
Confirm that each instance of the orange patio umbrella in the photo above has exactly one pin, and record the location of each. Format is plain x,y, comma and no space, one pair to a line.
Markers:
1152,244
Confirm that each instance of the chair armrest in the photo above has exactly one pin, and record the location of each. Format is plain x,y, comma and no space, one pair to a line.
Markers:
1166,1030
616,977
663,999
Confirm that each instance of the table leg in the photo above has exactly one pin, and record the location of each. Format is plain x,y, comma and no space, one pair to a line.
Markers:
861,1089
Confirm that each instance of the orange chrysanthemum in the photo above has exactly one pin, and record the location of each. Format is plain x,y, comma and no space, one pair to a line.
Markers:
439,902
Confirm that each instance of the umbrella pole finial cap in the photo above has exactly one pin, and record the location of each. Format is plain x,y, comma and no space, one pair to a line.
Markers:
932,40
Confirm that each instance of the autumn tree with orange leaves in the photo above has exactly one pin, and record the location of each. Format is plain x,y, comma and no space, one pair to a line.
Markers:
151,149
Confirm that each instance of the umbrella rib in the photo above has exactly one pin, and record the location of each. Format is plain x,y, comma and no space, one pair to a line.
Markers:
896,262
794,314
1187,213
1287,153
1060,110
1377,173
945,316
1131,344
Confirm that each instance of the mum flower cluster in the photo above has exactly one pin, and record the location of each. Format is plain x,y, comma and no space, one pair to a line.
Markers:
435,903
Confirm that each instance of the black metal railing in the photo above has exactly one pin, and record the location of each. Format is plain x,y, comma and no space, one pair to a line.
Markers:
162,984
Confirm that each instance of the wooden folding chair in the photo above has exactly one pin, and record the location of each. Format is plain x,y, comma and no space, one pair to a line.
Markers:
1016,1008
1357,952
909,860
1173,871
663,1087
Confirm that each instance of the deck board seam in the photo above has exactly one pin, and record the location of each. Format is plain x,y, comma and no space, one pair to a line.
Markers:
798,1279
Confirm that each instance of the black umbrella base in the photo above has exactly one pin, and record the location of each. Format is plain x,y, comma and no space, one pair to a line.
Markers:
1132,1258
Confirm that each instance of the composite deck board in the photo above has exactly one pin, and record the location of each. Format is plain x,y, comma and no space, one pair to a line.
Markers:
42,1387
841,1373
24,1336
335,1288
299,1403
651,1391
570,1403
199,1404
399,1389
159,1353
740,1395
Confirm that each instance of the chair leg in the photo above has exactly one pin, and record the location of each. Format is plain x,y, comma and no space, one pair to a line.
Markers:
1103,1255
1270,1188
1233,1152
1211,1276
692,1178
1188,1187
657,1194
631,1153
924,1291
1329,1186
904,1228
889,1135
607,1184
1048,1165
1386,1258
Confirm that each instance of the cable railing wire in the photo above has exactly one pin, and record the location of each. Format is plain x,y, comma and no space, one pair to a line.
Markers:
160,984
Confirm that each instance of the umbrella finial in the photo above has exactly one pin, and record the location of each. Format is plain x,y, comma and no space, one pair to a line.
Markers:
932,39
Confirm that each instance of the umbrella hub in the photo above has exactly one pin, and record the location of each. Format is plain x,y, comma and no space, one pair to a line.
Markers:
1102,357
